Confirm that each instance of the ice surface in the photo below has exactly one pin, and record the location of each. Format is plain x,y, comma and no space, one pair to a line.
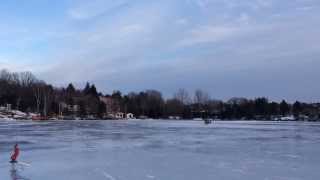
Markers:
161,150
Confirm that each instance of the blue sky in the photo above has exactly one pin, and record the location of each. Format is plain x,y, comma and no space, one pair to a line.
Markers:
228,48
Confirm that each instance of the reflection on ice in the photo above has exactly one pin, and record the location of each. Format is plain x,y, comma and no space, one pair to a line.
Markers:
14,172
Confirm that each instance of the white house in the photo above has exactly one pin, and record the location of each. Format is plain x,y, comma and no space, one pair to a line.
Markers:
287,118
120,115
130,116
5,108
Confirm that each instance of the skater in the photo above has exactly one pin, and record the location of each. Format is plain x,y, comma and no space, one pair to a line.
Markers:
15,154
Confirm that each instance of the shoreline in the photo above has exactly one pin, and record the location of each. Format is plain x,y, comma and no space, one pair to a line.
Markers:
149,120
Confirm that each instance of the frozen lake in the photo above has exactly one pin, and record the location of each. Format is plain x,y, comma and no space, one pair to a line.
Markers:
161,150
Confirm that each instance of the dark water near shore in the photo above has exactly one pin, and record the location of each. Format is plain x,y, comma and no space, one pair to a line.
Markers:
163,150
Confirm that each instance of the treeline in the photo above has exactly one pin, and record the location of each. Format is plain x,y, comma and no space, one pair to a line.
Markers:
24,92
27,93
200,105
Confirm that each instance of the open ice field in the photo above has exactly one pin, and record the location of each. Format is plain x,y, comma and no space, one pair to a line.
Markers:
161,150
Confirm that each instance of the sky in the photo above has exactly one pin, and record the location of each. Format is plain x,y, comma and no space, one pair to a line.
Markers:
228,48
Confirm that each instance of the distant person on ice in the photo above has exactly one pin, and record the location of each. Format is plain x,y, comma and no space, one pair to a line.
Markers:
15,154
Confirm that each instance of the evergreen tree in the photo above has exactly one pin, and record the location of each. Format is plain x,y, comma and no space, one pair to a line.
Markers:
261,105
93,91
86,90
70,89
274,108
116,95
284,108
296,108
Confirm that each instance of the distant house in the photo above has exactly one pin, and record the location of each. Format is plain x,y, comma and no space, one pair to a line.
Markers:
287,118
303,117
2,108
9,107
6,108
120,115
130,116
174,117
64,107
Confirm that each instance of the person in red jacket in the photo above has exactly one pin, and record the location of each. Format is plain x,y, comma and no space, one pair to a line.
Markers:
15,154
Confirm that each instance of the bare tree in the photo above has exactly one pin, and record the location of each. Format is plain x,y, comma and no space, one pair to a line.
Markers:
14,77
38,93
47,96
23,80
201,97
27,79
182,95
5,75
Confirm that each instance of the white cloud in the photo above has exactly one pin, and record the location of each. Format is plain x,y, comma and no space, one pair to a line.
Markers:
78,14
210,34
14,65
133,28
259,4
244,19
89,9
305,8
182,21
